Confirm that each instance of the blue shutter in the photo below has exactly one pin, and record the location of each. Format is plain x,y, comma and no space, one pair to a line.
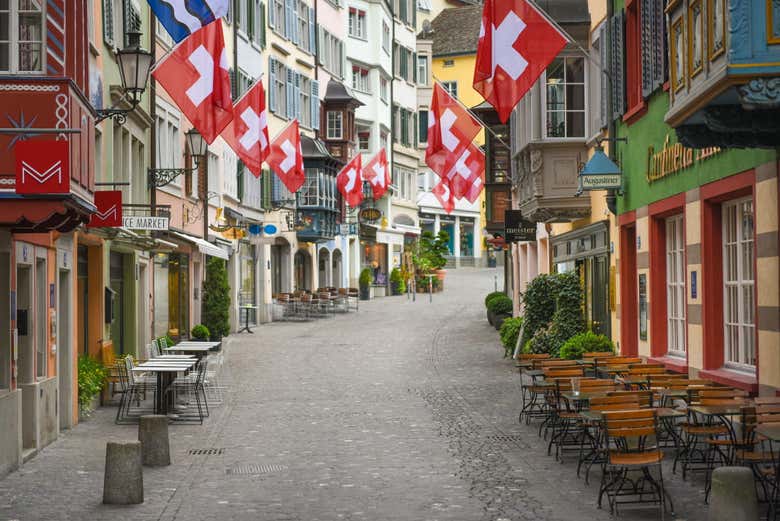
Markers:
288,17
297,96
312,32
271,14
276,189
315,104
261,23
290,98
294,22
271,84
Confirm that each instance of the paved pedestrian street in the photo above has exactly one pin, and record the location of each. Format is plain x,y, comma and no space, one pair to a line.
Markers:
403,411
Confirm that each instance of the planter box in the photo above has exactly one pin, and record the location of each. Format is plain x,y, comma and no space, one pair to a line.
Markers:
379,291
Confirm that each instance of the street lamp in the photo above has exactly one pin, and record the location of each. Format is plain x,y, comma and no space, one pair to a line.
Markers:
134,66
198,146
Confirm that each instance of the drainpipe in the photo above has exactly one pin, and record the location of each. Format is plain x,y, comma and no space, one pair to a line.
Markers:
611,197
153,115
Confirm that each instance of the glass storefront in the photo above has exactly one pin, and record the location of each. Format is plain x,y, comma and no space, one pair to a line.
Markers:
171,295
375,259
246,297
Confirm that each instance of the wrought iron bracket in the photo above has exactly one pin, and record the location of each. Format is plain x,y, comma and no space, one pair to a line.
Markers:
118,115
158,177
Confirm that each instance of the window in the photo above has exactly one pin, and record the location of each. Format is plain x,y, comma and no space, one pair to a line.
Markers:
276,18
404,182
360,79
422,70
308,195
422,181
451,87
277,92
335,125
357,23
423,125
424,5
448,63
304,20
305,104
565,93
738,282
169,138
383,89
385,37
331,53
364,138
675,286
405,10
21,36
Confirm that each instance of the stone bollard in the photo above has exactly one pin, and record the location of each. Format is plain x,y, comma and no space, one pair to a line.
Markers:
123,482
153,435
733,495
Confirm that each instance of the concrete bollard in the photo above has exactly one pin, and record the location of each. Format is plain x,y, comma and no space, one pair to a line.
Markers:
123,482
733,495
153,435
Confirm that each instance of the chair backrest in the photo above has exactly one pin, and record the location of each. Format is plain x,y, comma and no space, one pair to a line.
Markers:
645,398
121,371
558,363
654,366
620,360
533,356
163,343
620,402
767,400
767,412
597,354
129,369
566,372
630,431
595,385
644,371
323,295
724,396
342,291
155,352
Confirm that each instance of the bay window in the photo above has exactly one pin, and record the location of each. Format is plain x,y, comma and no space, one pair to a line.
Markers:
565,98
335,125
21,36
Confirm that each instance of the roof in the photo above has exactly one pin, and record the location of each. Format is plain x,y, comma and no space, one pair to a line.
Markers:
337,91
456,30
313,148
566,11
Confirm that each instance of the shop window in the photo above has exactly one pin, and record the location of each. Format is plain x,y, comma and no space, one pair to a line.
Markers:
738,284
565,98
675,286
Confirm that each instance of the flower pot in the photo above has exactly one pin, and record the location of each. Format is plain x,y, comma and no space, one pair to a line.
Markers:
490,317
498,320
365,292
440,274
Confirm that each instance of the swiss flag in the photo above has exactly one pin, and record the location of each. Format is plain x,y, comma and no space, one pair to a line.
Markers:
286,157
350,182
443,193
469,167
450,130
196,76
516,43
247,134
472,194
377,173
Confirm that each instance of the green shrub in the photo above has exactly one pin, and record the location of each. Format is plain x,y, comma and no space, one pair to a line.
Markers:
500,305
509,332
586,342
567,321
200,332
91,379
492,295
215,311
538,305
168,341
541,342
365,278
397,282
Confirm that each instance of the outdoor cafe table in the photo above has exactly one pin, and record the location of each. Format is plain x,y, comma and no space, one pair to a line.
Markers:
723,413
165,372
771,431
199,349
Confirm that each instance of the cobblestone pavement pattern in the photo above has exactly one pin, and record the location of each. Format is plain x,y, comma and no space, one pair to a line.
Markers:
404,411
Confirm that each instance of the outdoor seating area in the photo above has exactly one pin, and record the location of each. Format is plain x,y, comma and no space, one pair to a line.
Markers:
304,305
624,417
181,381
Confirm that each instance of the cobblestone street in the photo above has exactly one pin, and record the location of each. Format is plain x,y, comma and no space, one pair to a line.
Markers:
403,411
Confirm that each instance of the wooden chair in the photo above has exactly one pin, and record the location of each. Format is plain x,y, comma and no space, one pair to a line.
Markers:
644,398
631,448
596,385
640,370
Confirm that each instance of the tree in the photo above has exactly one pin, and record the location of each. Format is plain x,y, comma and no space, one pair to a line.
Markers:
215,312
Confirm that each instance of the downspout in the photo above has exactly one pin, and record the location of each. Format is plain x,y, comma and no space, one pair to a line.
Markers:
152,152
612,151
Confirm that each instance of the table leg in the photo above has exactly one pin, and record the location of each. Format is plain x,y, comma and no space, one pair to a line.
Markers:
159,401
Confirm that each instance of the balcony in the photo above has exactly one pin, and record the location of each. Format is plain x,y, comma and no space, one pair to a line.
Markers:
318,208
724,73
47,104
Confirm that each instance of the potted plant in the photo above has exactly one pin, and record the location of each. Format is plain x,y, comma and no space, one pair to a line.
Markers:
488,298
92,377
433,250
397,284
215,310
587,342
501,308
509,332
365,284
200,332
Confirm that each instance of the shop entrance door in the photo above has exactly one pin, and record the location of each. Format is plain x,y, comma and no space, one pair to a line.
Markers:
65,349
116,270
26,347
600,302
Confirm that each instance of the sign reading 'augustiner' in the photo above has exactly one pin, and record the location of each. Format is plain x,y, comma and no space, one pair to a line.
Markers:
673,158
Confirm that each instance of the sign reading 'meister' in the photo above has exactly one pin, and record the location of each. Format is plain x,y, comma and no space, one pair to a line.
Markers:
517,229
134,222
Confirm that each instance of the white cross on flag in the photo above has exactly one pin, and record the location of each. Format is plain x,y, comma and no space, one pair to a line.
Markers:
350,182
286,157
247,134
450,130
196,76
468,169
377,174
516,43
443,193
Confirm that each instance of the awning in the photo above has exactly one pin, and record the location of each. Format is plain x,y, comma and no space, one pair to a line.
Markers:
204,246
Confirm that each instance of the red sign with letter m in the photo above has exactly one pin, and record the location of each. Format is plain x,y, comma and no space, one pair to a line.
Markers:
42,167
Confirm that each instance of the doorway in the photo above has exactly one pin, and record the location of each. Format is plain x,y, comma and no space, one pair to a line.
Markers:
26,354
302,270
64,350
142,303
629,305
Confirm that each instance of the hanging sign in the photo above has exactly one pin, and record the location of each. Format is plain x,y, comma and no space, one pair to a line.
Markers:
42,167
270,229
370,214
601,182
109,209
135,222
517,229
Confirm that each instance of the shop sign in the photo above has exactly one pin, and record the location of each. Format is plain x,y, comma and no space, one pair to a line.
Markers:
673,158
145,223
601,182
517,229
370,214
348,229
270,229
109,209
42,167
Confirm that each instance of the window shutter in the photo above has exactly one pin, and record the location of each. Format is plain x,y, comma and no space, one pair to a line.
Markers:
312,32
604,80
646,41
320,46
271,14
617,69
290,110
297,97
660,72
276,189
414,67
288,18
108,21
294,23
261,23
414,124
234,88
271,84
315,104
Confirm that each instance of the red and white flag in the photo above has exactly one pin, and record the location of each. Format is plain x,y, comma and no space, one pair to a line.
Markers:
196,76
516,43
286,157
472,194
450,130
350,182
443,193
247,134
377,173
469,167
